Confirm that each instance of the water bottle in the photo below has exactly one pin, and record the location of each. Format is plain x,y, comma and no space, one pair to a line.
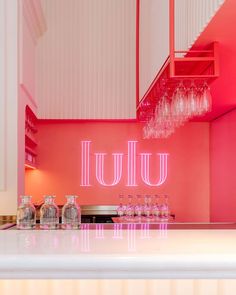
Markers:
26,213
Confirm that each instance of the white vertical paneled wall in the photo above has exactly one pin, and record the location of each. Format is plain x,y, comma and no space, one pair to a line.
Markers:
8,106
181,24
16,57
86,60
118,287
2,96
154,40
191,18
32,25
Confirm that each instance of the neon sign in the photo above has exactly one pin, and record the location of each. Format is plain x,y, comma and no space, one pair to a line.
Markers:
118,159
118,166
85,162
132,163
145,168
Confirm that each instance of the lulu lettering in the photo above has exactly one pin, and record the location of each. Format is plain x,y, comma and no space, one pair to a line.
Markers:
145,159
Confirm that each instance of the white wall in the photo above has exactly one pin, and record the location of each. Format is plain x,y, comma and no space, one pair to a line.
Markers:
17,78
86,60
2,96
191,17
32,26
154,40
8,106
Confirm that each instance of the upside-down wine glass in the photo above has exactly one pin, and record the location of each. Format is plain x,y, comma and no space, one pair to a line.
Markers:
147,207
156,208
138,209
164,209
121,208
130,209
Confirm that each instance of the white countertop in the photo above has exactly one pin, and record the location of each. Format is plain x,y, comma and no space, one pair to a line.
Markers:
118,253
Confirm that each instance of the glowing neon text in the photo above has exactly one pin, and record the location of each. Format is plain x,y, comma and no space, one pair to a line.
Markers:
118,166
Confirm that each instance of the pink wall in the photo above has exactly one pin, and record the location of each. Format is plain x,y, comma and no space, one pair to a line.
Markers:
222,29
223,163
223,129
60,164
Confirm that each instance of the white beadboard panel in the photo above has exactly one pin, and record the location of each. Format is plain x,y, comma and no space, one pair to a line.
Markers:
2,96
118,287
8,105
27,58
191,18
181,24
86,60
154,40
34,17
32,26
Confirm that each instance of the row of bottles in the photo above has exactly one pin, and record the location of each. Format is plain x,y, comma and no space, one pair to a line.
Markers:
154,208
49,213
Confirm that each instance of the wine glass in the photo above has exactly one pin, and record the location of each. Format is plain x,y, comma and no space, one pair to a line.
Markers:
147,207
205,100
130,209
156,208
193,104
164,209
179,105
121,208
138,208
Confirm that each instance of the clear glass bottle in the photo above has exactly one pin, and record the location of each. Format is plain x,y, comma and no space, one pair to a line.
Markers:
156,208
130,209
121,208
138,209
71,214
164,209
147,207
26,213
49,214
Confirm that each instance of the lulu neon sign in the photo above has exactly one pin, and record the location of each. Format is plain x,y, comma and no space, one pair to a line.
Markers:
118,166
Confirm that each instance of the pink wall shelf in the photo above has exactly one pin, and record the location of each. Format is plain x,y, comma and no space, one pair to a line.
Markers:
30,139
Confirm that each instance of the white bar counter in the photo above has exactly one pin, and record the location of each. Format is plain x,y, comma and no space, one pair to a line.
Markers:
118,253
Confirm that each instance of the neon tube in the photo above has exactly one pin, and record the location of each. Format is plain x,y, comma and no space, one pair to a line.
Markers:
117,159
85,163
132,163
145,168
